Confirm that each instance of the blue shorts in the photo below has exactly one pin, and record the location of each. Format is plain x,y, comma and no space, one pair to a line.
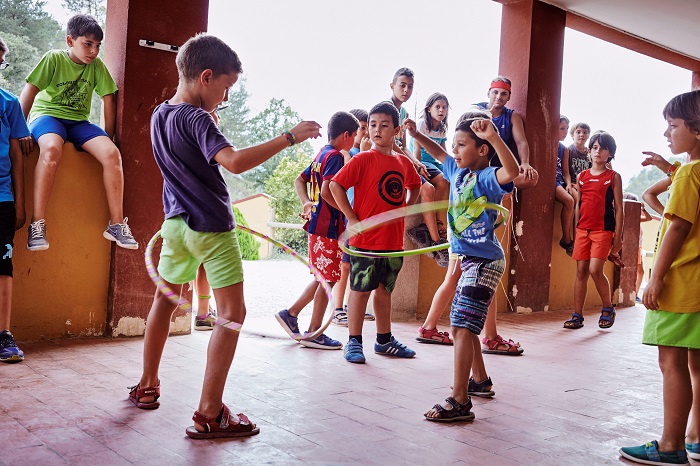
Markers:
76,131
475,290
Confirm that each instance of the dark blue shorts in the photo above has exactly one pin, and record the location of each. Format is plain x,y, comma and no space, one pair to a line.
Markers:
76,131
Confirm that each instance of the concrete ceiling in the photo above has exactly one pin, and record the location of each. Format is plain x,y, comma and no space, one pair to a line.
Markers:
672,24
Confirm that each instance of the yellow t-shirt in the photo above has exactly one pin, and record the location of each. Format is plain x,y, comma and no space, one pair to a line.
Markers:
681,292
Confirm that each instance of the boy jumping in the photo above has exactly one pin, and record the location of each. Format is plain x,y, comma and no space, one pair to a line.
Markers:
199,224
383,180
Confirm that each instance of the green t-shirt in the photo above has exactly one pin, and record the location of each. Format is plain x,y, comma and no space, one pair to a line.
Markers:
66,87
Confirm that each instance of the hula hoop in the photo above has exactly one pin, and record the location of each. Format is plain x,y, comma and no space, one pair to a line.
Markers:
186,306
401,212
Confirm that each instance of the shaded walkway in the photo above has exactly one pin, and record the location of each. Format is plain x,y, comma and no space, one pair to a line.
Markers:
573,398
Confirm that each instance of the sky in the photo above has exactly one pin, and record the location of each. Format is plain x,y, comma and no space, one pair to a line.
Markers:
322,56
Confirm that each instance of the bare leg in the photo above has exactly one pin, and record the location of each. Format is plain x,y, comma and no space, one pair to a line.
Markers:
640,278
694,366
302,301
320,305
202,288
427,194
104,150
357,305
678,396
339,295
567,212
490,330
222,347
442,191
581,285
478,367
382,309
601,281
5,301
50,154
444,294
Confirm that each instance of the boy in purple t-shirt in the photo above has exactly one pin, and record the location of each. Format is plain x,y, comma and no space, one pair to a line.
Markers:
199,225
324,223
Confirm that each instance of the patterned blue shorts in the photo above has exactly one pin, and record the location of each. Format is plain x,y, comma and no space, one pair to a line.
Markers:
475,290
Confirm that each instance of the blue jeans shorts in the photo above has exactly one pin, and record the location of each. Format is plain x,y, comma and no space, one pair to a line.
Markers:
76,131
475,290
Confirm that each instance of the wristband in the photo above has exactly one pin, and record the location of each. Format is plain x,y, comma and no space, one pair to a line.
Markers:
672,169
291,139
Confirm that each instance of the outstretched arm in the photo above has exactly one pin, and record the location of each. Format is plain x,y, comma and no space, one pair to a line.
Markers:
241,160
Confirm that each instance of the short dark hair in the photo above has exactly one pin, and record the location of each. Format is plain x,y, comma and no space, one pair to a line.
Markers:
465,124
578,125
605,141
386,108
340,123
360,114
408,72
84,25
685,106
563,118
3,46
206,52
442,126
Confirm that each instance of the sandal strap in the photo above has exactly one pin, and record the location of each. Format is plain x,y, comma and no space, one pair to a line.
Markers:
457,405
210,423
139,392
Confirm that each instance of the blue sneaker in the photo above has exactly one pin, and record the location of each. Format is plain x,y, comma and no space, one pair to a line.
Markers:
650,454
353,352
120,233
394,348
8,348
289,323
693,450
323,341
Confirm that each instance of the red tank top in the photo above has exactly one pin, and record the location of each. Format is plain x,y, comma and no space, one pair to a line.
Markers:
597,201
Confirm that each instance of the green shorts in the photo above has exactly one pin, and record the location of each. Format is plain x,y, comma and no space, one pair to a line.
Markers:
366,273
662,328
184,249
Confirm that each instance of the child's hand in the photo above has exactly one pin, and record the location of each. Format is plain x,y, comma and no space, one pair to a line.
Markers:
26,144
410,127
650,299
655,160
571,188
616,246
306,130
365,144
483,129
306,211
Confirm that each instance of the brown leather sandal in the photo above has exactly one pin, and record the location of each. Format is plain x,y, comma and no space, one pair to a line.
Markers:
136,393
222,426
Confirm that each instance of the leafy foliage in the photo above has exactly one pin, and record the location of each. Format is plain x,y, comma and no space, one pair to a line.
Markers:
249,244
647,177
96,8
285,202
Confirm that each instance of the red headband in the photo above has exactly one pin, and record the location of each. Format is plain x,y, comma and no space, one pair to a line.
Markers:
500,85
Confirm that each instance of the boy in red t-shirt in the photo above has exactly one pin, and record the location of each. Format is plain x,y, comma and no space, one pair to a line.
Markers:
383,181
599,229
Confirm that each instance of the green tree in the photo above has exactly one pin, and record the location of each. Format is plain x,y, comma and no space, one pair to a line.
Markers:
647,177
22,57
249,244
96,8
285,202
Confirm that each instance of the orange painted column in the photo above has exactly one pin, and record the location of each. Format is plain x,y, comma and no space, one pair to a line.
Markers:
531,55
146,77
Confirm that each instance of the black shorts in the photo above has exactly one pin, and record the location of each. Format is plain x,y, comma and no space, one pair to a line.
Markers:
8,218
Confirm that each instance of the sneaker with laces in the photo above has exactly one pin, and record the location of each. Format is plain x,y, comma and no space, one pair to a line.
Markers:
323,341
394,348
483,389
442,256
289,323
36,236
353,352
121,234
369,316
340,317
206,322
420,235
8,348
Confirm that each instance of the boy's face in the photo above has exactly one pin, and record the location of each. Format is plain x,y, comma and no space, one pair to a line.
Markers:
681,139
466,154
581,136
498,97
402,88
215,89
362,133
83,49
600,155
382,130
563,130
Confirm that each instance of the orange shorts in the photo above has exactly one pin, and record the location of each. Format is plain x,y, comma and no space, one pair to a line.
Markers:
325,255
592,244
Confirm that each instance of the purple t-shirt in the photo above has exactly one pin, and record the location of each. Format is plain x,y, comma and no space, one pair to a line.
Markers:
185,141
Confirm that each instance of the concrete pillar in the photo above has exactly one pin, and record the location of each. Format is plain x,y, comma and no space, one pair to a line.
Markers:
531,55
146,77
624,294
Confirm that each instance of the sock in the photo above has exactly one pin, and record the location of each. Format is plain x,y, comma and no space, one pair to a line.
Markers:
383,338
357,337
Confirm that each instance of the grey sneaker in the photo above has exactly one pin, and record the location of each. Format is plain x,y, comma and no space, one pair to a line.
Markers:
36,236
340,317
420,235
205,322
121,234
442,256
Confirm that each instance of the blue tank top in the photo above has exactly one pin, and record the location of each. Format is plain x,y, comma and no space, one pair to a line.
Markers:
560,157
504,123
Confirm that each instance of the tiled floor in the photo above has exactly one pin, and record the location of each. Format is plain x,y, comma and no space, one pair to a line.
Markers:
574,397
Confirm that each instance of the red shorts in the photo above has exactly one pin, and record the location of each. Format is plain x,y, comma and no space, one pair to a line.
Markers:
592,244
325,255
